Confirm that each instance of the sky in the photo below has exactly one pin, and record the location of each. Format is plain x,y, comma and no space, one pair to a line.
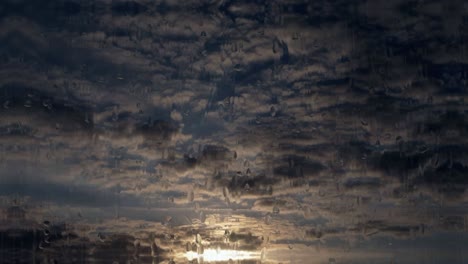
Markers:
233,131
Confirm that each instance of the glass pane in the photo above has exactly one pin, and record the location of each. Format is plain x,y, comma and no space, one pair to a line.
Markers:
233,131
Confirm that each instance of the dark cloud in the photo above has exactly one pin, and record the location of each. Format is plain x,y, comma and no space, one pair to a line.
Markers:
298,167
46,111
362,182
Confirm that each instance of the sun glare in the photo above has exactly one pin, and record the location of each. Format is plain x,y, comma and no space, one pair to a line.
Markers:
222,255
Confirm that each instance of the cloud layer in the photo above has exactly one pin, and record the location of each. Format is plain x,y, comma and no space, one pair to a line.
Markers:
141,130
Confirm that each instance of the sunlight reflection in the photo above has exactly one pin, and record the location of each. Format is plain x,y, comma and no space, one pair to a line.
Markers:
222,255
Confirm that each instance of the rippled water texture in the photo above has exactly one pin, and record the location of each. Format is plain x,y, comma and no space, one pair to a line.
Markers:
233,131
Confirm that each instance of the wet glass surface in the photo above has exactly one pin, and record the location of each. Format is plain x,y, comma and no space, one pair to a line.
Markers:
233,131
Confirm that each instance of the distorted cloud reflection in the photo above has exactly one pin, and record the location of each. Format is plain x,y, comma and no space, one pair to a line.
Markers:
233,131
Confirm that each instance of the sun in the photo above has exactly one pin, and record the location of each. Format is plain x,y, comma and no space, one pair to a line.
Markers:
222,255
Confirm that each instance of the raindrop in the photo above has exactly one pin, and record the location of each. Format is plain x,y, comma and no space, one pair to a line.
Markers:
101,237
423,149
225,192
86,118
270,190
200,249
273,111
115,116
47,104
202,217
28,104
6,104
267,219
435,160
198,239
153,249
190,196
276,210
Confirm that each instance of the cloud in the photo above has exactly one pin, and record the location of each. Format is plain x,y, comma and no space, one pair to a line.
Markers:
276,125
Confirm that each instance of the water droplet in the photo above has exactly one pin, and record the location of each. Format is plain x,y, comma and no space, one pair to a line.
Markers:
273,111
198,238
267,219
6,104
202,217
276,210
115,116
225,192
190,196
101,237
270,190
423,149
